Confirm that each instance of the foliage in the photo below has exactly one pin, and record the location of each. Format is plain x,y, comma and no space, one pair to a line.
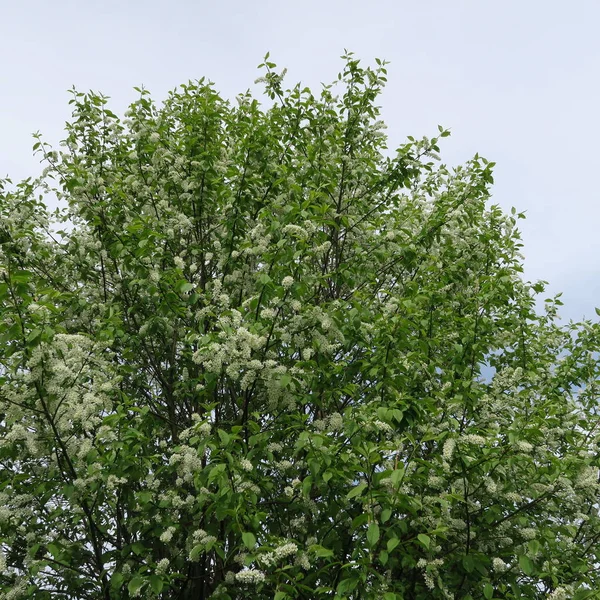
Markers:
267,358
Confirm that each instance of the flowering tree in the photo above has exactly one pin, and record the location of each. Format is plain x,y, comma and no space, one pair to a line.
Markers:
266,358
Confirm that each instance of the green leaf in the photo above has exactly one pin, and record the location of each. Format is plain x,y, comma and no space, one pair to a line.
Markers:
373,534
315,467
156,583
138,548
249,540
224,437
116,580
360,520
396,476
321,552
582,594
144,497
34,334
196,551
347,585
488,591
392,543
526,564
468,563
216,471
54,550
424,539
307,486
356,491
135,584
398,415
534,547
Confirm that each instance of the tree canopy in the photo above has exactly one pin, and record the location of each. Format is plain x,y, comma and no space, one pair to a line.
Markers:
256,354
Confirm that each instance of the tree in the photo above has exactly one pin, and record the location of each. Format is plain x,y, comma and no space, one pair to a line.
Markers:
256,355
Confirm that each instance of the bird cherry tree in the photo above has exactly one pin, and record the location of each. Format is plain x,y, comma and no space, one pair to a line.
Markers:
256,354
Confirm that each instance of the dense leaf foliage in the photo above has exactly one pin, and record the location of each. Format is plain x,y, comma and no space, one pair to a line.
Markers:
257,355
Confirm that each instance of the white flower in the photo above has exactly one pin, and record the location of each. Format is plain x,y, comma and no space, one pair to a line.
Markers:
429,581
476,440
246,465
167,535
499,565
204,429
249,576
287,282
384,427
229,577
286,550
281,552
319,424
524,446
268,559
448,449
268,313
295,230
162,566
336,421
179,262
284,465
307,353
588,478
303,561
560,593
490,485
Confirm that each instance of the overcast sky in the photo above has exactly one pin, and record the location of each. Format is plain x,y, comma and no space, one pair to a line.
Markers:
517,81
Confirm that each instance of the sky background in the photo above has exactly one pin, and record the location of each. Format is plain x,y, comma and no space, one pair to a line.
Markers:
516,81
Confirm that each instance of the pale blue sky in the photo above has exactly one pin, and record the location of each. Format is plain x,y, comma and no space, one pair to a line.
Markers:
517,81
